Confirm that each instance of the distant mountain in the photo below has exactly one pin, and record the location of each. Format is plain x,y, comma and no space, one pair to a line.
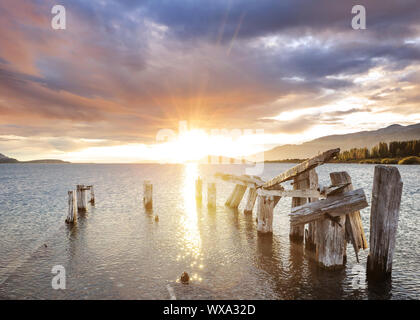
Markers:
5,159
360,139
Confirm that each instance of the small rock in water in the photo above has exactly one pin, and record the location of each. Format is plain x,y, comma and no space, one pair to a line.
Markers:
156,218
185,278
45,245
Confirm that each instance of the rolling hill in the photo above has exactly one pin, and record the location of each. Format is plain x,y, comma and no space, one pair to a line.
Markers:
360,139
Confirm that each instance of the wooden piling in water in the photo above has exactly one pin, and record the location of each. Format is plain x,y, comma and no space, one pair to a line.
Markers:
331,235
81,198
384,214
92,195
301,181
199,189
72,210
265,214
211,195
250,201
148,194
310,236
353,224
236,196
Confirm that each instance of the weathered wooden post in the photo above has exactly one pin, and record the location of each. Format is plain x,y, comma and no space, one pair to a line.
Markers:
250,201
265,214
331,235
72,211
211,195
199,190
92,195
385,209
353,224
329,215
81,198
310,237
236,196
148,194
296,233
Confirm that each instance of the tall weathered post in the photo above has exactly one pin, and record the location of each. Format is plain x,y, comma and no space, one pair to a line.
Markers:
148,194
310,236
81,198
385,209
72,211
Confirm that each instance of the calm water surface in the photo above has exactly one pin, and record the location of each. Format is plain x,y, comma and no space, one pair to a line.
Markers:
118,251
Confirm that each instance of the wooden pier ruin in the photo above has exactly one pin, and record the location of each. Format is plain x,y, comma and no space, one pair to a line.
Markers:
325,218
331,213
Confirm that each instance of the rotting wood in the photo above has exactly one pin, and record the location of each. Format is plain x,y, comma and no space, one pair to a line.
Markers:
384,214
265,210
148,194
72,210
338,205
81,198
310,232
250,202
353,222
302,167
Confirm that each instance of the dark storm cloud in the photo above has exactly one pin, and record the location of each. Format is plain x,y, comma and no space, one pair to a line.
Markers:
123,69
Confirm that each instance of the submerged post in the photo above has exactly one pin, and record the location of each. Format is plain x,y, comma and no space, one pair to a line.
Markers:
199,189
385,209
81,198
211,195
72,211
148,194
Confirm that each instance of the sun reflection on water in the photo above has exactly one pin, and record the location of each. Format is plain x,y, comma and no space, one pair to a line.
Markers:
191,239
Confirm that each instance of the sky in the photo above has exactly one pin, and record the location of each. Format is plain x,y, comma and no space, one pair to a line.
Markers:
174,80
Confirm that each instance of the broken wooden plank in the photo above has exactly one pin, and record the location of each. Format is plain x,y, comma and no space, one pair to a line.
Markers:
353,223
245,180
302,167
306,193
333,189
384,214
345,203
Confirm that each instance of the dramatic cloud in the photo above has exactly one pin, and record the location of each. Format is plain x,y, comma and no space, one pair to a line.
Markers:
122,70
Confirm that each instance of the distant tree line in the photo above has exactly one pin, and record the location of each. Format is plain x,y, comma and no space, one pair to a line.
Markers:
394,149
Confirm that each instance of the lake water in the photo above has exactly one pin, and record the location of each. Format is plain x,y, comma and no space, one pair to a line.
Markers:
118,251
